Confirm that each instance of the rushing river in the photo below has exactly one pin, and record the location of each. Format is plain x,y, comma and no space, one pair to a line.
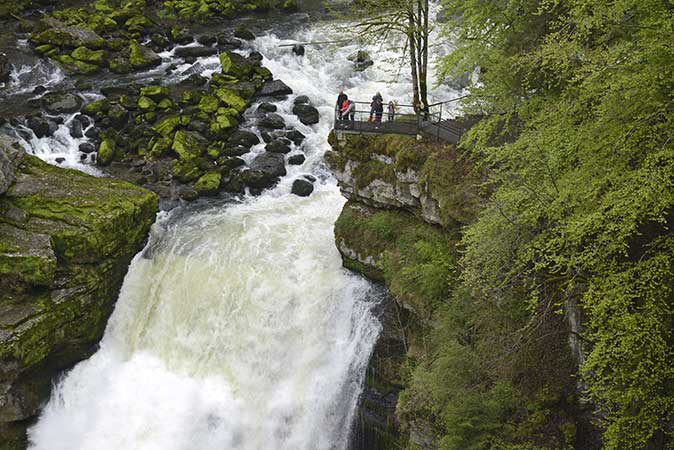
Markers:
237,327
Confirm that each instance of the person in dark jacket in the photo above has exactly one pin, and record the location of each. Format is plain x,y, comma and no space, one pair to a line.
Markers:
341,98
378,110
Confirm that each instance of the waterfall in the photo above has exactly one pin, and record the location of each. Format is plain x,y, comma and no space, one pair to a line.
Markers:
237,327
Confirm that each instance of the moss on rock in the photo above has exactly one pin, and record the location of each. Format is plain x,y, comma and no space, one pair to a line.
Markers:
66,239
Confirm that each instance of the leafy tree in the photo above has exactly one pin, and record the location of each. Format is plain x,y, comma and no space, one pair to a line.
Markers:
578,99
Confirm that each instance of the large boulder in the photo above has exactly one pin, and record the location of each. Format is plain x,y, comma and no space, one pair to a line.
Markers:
194,52
61,102
272,164
66,241
5,68
40,126
244,33
271,121
275,88
278,146
243,138
307,114
302,187
235,65
60,35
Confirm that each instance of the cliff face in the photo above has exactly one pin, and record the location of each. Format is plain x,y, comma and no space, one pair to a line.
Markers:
407,203
66,240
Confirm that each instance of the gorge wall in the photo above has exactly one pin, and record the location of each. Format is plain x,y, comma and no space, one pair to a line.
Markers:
66,240
408,204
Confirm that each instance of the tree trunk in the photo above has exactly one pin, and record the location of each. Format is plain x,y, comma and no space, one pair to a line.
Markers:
411,37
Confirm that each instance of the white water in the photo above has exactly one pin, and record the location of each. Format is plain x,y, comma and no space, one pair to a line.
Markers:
237,329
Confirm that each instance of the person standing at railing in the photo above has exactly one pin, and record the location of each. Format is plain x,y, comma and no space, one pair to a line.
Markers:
378,110
341,98
349,113
391,111
377,99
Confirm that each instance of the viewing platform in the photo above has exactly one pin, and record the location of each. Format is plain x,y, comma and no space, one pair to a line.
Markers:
404,121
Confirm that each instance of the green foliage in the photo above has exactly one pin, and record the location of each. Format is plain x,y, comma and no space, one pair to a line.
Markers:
578,142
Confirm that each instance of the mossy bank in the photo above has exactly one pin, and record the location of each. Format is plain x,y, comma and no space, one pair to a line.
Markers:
66,240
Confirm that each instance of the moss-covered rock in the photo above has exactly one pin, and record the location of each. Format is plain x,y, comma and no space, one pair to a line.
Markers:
106,152
66,240
96,57
146,104
208,184
142,57
188,144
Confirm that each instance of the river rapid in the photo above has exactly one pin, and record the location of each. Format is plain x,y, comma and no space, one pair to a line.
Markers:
236,327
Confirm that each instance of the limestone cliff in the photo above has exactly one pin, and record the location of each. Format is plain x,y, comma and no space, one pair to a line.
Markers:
66,240
407,202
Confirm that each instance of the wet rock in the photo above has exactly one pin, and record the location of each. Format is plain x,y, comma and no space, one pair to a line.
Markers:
181,36
194,52
60,35
118,116
5,68
266,107
236,65
92,133
237,150
195,80
83,120
106,152
271,121
361,60
207,40
142,57
271,164
59,160
61,103
198,126
243,138
244,33
209,183
296,160
255,57
87,148
298,50
277,146
75,128
120,65
159,42
307,114
275,88
228,42
39,90
266,137
301,100
11,155
187,193
39,125
295,136
96,57
302,188
309,177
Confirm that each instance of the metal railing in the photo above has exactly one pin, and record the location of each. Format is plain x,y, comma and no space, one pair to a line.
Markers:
404,120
